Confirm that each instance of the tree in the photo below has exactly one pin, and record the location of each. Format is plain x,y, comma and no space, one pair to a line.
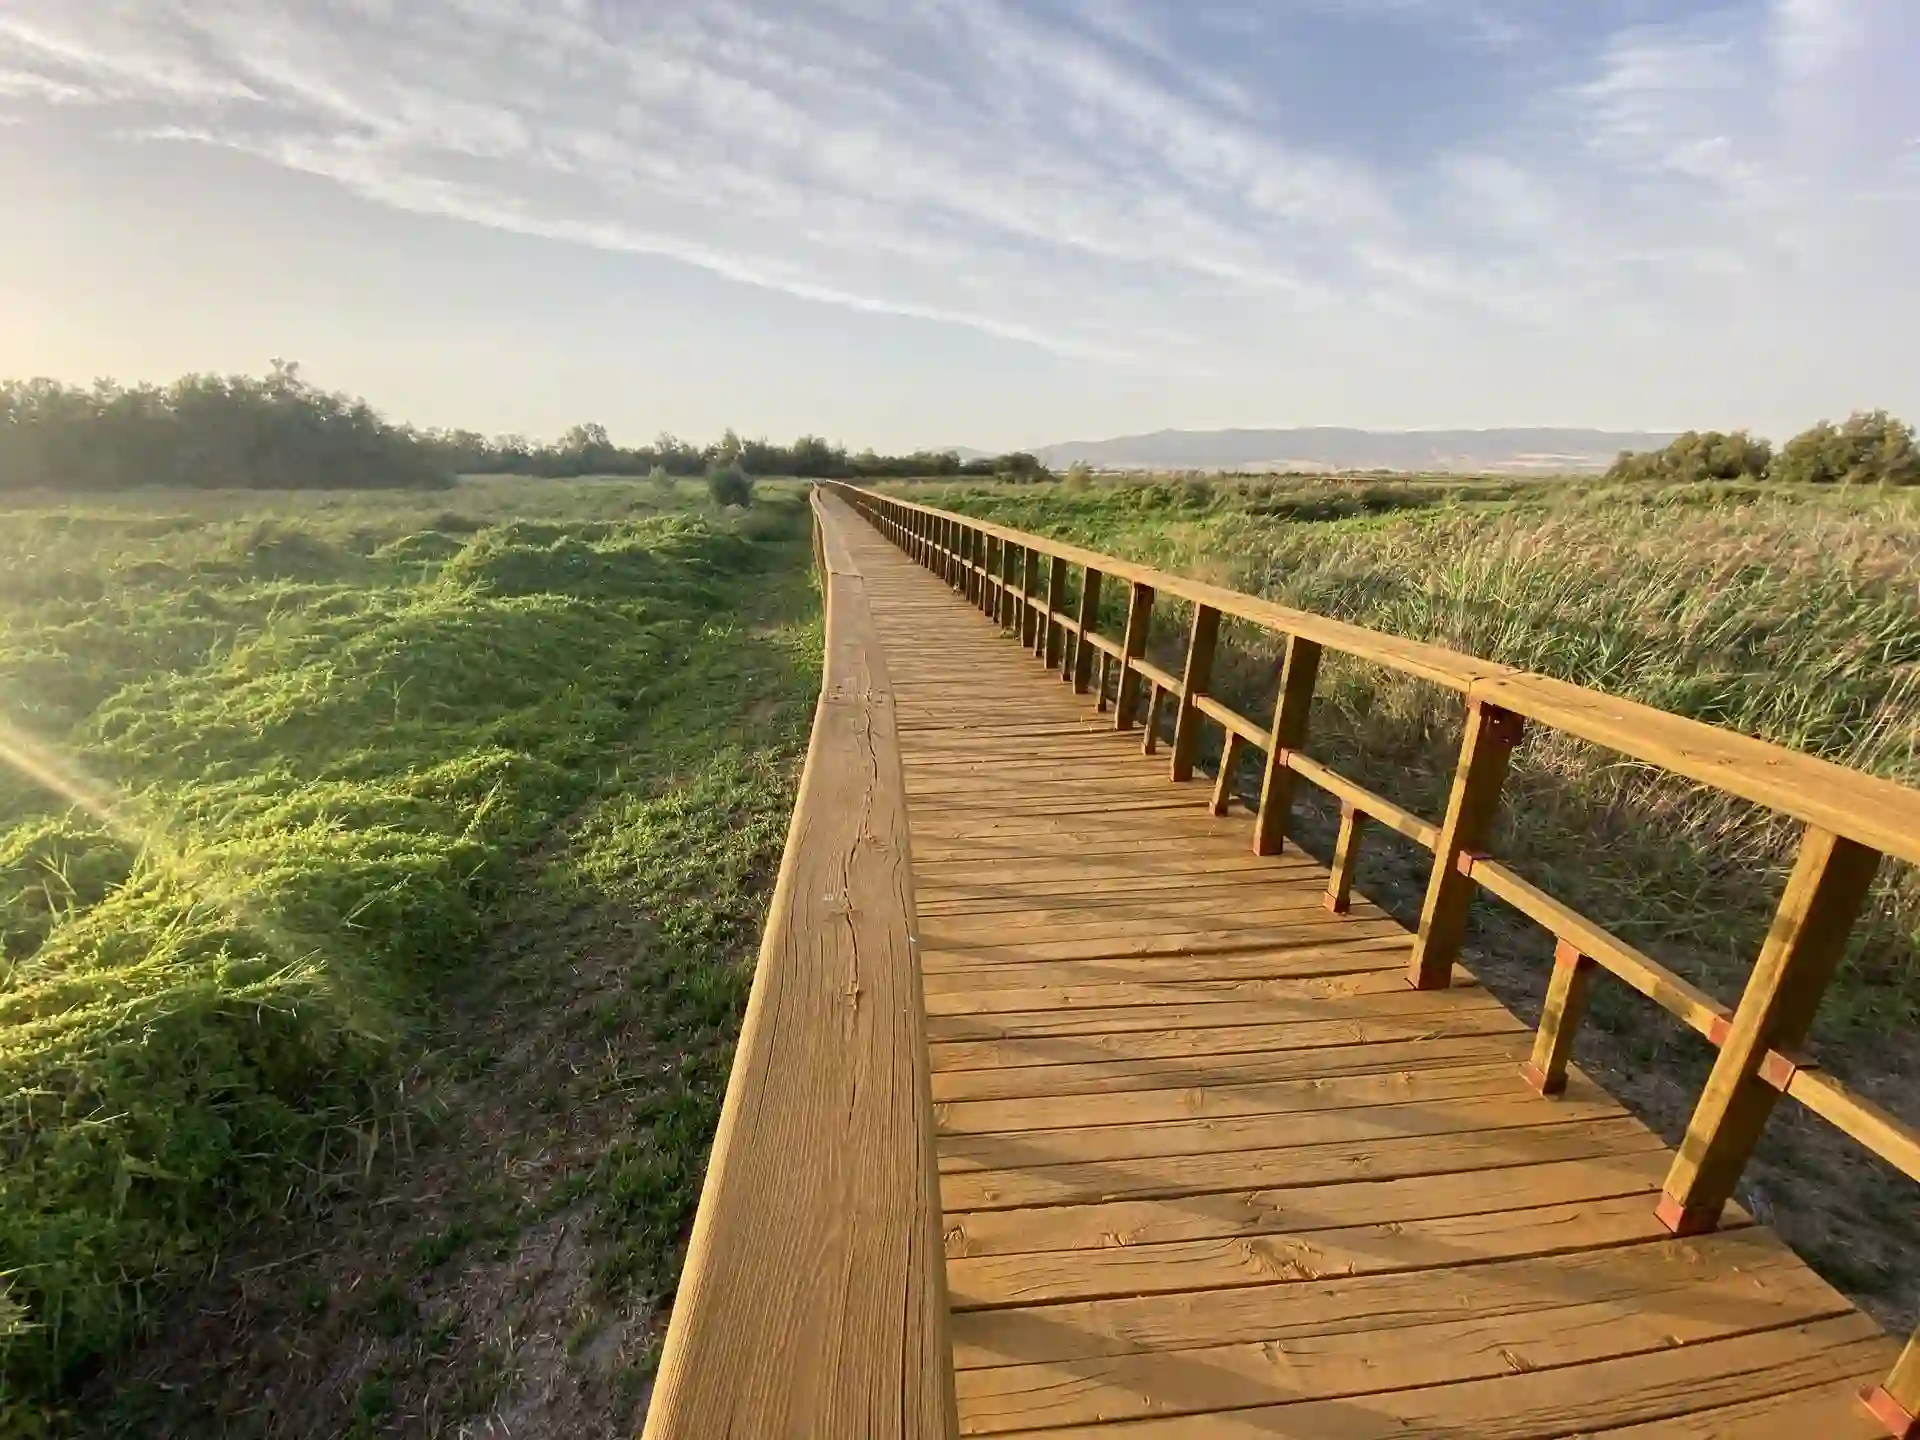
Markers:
1871,448
1698,455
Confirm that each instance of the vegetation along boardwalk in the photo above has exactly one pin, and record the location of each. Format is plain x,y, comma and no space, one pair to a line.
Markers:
1217,1146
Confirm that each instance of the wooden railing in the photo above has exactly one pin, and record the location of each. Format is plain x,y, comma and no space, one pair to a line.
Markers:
1850,821
813,1301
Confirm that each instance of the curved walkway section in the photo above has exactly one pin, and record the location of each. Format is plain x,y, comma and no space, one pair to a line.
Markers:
1209,1166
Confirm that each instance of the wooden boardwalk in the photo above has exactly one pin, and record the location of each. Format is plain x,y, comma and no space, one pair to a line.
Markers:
1209,1166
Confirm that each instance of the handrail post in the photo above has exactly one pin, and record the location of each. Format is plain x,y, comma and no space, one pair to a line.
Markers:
1824,896
1029,586
1560,1016
1056,641
1133,647
1299,672
1346,859
1223,781
1485,751
1199,674
1089,612
989,556
1007,600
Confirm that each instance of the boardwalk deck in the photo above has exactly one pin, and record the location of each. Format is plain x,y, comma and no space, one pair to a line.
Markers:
1210,1167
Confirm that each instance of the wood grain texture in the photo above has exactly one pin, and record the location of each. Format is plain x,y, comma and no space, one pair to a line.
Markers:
813,1300
1209,1166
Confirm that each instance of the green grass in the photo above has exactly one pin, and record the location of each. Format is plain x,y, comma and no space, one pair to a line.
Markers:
321,740
1785,613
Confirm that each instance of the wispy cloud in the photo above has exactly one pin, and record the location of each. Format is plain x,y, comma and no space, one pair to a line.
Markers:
1106,179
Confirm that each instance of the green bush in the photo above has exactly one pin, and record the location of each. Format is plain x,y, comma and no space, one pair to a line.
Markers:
730,485
1871,448
1697,456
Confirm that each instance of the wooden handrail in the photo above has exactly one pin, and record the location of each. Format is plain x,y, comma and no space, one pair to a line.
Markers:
1852,819
813,1301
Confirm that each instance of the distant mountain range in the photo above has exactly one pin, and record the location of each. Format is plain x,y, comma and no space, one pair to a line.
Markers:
1520,451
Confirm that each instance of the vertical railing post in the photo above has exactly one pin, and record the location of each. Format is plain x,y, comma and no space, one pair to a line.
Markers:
1824,896
1560,1016
1346,858
1199,675
1223,780
1083,652
1007,586
1485,752
1133,647
1298,673
989,586
1030,586
1056,597
976,565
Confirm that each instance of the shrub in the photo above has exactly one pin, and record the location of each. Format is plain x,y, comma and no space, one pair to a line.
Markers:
1871,448
1698,455
730,485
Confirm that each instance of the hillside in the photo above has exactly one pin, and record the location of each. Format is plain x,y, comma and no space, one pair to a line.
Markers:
1523,450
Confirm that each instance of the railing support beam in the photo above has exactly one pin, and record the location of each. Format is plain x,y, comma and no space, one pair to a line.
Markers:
1299,672
1083,653
1560,1016
1199,675
1824,896
1485,752
1133,647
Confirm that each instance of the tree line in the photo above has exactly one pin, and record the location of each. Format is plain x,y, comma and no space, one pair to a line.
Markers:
278,431
1869,448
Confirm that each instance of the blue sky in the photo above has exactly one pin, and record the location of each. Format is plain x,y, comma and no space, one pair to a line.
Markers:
908,222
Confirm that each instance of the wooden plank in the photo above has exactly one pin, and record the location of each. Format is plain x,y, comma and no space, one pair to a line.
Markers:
1656,1274
1231,720
1089,1077
1378,959
1375,806
1119,917
1553,1402
1197,1040
1396,1157
1828,1411
1098,1140
1204,1011
1685,1001
1184,1266
826,1132
1079,986
1303,1210
1825,893
1876,813
1345,1363
1316,932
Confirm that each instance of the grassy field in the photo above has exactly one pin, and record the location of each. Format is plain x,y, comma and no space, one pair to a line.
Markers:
379,876
1789,614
